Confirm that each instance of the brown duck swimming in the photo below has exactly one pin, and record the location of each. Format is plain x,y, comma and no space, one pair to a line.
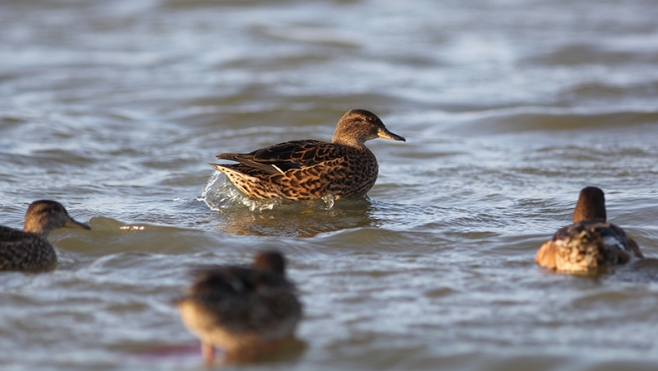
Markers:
242,310
311,169
590,242
29,248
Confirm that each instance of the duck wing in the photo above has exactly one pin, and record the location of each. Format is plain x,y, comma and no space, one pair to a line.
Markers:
284,156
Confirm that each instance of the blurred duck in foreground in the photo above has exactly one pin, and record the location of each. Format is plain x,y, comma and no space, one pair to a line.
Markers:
29,249
590,242
245,311
311,169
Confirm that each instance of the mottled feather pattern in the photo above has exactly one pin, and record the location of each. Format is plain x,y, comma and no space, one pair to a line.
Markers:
609,234
22,250
591,244
311,172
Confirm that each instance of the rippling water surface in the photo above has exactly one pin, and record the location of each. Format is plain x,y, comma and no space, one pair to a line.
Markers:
115,108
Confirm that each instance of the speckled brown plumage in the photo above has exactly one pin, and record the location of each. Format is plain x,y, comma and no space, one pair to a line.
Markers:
241,309
29,248
311,169
590,242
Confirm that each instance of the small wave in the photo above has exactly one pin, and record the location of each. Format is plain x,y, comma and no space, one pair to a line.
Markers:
593,53
316,35
528,119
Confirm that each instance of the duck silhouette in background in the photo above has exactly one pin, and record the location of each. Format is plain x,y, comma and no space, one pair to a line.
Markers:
590,242
243,310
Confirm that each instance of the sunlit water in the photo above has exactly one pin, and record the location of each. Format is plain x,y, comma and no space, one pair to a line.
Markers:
115,108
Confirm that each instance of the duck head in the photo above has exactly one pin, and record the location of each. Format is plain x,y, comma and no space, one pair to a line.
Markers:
44,216
590,205
358,126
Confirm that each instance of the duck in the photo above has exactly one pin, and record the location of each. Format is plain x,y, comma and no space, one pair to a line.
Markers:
312,169
29,249
591,242
243,310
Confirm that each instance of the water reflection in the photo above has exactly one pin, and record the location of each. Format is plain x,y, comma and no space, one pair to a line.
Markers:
298,221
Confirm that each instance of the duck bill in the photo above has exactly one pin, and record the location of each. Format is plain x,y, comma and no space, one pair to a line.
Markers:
71,223
385,134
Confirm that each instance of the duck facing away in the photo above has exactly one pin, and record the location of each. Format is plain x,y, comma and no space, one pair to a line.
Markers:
29,248
590,242
311,169
242,310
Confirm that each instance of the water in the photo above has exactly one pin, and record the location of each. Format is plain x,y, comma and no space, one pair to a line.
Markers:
509,107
